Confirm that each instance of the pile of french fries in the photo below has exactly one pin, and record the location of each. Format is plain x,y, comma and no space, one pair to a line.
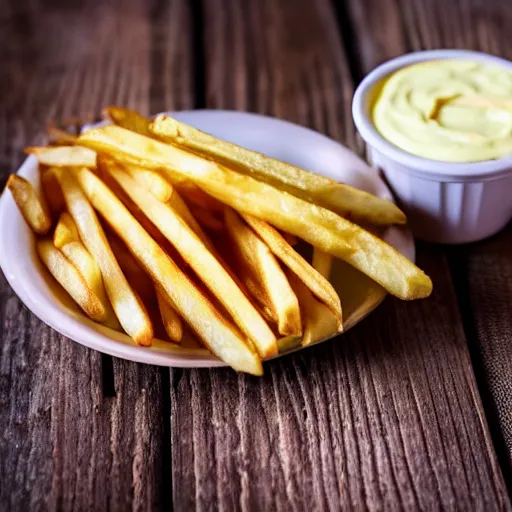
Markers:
160,230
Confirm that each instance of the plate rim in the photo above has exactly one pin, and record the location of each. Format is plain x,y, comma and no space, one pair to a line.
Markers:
82,330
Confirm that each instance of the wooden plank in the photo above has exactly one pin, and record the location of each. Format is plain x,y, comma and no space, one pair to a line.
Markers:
482,276
172,57
386,417
80,431
480,271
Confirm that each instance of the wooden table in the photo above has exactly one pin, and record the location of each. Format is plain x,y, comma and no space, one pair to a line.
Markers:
389,416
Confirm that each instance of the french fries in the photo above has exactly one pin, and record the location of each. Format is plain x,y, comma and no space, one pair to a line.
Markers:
195,196
157,185
52,192
171,320
65,231
67,239
264,270
63,156
129,310
128,119
32,207
217,333
200,237
297,264
161,189
140,281
205,265
345,200
180,207
322,262
318,226
60,137
70,279
319,322
102,171
288,343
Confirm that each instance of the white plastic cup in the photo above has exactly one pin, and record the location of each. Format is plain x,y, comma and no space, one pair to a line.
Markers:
445,202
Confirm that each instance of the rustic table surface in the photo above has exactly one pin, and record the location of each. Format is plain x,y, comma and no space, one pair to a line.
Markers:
406,411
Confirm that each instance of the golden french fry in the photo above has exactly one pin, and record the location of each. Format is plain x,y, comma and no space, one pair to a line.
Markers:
260,295
265,271
180,207
136,276
67,239
171,320
224,254
129,310
320,227
64,156
31,205
78,255
102,170
103,164
70,279
219,335
141,282
297,264
128,119
208,220
154,182
322,262
88,268
133,121
65,231
319,322
342,199
195,196
60,137
52,192
202,261
288,343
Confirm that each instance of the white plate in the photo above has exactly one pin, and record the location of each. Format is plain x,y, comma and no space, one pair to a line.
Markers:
279,139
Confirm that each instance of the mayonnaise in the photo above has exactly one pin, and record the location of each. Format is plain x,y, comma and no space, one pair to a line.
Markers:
449,110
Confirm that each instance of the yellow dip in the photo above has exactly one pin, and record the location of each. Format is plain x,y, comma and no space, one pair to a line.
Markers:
450,110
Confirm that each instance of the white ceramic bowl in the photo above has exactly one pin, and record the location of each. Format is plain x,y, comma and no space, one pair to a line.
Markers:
280,139
445,202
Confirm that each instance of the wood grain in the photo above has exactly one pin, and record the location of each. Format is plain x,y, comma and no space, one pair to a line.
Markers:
480,271
386,417
483,275
79,431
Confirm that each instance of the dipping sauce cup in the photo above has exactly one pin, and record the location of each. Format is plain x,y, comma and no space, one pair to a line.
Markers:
446,202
